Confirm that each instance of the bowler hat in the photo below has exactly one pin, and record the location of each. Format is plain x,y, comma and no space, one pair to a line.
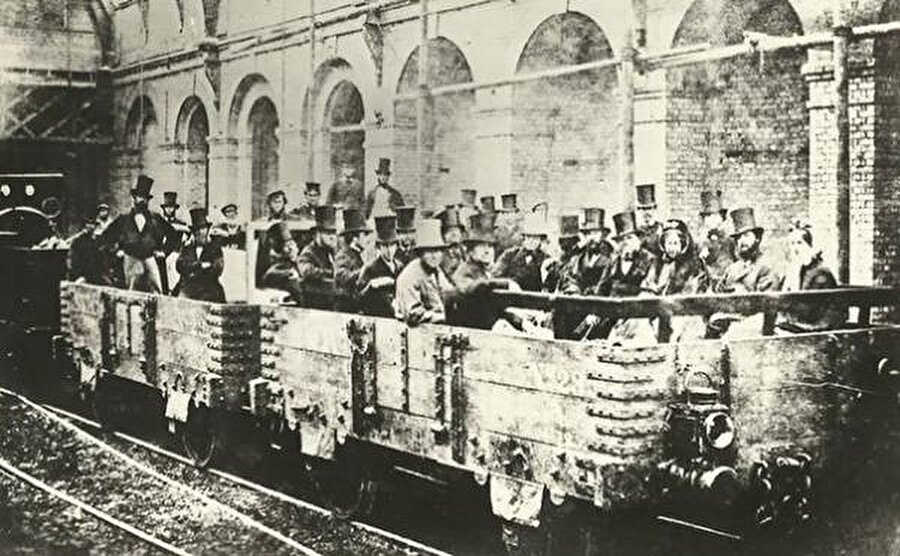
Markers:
198,218
710,202
625,224
142,187
386,229
354,221
481,228
508,202
468,197
646,195
744,221
229,206
568,226
428,235
275,194
593,219
384,166
170,199
406,219
449,218
487,203
313,187
326,220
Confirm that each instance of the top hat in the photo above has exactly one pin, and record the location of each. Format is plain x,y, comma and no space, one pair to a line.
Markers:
646,196
198,218
481,228
568,226
508,202
143,186
313,187
274,194
406,219
326,220
384,166
744,221
170,199
593,219
710,202
354,221
535,225
229,206
625,223
450,218
386,229
428,235
468,197
487,203
281,232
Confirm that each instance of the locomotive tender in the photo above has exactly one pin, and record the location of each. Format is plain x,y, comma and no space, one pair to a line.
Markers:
745,424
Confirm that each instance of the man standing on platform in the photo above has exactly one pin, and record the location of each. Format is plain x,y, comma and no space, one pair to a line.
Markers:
316,262
383,199
347,191
377,281
312,196
648,219
348,263
141,238
86,262
168,272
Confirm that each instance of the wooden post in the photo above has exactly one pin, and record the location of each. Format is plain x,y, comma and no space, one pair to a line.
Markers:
423,101
626,116
842,134
310,112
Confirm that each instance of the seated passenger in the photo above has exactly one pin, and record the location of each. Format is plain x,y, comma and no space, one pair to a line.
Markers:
229,233
316,262
284,273
522,263
406,235
200,263
568,242
452,230
377,281
808,272
592,255
348,263
422,285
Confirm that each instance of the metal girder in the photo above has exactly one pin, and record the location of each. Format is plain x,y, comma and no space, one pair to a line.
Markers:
68,118
23,124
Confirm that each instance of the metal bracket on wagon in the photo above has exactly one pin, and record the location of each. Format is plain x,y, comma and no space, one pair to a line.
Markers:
449,393
516,500
363,375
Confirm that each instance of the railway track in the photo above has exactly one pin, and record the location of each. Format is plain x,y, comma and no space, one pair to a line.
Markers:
81,424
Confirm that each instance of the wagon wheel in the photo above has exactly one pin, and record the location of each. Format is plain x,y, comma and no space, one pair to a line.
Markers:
564,529
349,489
199,435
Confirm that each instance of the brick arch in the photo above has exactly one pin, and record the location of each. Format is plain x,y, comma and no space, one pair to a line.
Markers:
739,125
450,139
141,124
192,131
722,22
250,88
262,129
559,155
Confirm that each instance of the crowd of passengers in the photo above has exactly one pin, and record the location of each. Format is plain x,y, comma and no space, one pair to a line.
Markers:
386,260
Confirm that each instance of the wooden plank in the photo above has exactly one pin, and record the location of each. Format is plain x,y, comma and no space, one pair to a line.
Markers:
182,315
182,348
312,330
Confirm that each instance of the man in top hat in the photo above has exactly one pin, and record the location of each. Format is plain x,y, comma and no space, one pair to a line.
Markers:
715,245
747,273
522,263
316,261
284,273
648,218
569,227
142,239
169,208
406,235
383,199
102,216
347,191
348,263
86,262
377,281
276,205
422,285
488,204
509,223
592,255
452,231
312,195
229,232
468,206
200,262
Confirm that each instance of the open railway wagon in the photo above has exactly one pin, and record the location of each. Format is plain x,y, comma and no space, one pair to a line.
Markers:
754,426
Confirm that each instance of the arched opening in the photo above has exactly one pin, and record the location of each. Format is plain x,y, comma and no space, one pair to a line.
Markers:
142,138
192,134
739,125
450,140
564,128
344,131
262,125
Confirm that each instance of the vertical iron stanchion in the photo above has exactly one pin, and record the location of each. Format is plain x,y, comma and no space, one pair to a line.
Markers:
626,117
310,118
842,136
422,108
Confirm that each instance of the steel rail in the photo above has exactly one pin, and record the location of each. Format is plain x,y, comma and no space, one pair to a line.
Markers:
297,502
15,473
147,470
